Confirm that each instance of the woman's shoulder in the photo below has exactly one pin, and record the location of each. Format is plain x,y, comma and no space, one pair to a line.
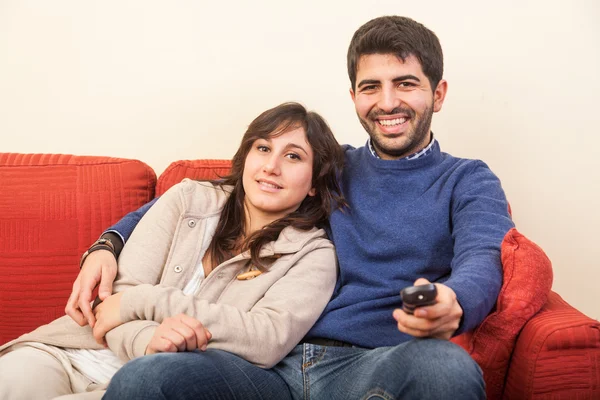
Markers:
292,239
202,197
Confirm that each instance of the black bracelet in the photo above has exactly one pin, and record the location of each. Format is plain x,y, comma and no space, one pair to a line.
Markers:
96,247
101,247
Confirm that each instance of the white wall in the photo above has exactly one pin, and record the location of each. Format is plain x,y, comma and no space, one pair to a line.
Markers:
167,80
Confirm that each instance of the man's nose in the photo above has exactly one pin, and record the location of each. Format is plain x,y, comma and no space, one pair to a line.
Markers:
388,100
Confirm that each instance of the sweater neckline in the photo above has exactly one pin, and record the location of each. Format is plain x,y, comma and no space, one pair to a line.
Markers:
429,159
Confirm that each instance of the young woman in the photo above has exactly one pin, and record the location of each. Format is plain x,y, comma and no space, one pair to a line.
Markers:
239,265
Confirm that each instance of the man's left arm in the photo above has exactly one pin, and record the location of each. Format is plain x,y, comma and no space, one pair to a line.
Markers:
480,220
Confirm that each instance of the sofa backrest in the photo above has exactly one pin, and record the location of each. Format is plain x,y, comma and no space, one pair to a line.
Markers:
52,207
194,169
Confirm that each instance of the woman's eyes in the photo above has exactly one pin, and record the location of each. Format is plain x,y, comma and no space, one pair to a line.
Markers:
293,156
265,149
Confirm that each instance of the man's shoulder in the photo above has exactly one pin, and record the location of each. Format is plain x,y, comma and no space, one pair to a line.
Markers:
468,164
351,151
348,148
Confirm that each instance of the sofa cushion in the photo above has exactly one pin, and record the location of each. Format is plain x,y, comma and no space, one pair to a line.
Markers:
52,208
527,279
194,169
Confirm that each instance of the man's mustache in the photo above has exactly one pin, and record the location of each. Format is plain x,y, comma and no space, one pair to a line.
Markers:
398,110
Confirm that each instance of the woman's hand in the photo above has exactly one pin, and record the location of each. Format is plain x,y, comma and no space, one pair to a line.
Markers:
108,316
99,267
440,320
177,334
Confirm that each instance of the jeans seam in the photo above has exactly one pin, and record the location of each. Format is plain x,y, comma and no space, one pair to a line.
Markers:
305,365
379,393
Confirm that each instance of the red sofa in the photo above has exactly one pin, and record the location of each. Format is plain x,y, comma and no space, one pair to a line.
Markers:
52,207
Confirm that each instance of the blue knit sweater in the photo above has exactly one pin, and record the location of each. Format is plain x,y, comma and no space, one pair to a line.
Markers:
438,217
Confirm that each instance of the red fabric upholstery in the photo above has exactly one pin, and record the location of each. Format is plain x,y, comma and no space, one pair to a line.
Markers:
525,288
193,169
52,208
557,356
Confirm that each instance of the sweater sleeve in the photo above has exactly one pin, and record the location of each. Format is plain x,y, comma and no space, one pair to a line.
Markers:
125,226
262,335
480,220
129,340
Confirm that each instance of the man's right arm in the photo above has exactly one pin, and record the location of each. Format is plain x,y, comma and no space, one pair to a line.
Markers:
123,228
99,267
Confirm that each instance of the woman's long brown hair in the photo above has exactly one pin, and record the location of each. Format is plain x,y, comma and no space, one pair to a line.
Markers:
313,211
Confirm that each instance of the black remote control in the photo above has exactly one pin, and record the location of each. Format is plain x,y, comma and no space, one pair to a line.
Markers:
417,296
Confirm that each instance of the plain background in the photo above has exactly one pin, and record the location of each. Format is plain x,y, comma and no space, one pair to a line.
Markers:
166,80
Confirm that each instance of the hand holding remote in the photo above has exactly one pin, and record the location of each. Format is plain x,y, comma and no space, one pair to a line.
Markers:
440,319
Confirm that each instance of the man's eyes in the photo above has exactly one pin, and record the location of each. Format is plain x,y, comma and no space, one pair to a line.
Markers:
368,88
403,85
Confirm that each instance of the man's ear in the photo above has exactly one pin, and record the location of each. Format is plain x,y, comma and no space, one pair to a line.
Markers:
439,95
352,94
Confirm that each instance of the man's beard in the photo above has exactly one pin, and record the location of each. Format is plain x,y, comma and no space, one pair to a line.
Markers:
415,137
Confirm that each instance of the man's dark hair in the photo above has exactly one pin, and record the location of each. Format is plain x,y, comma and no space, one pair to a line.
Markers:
400,36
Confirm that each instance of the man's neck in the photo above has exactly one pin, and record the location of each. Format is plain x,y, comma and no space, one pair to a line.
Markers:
411,156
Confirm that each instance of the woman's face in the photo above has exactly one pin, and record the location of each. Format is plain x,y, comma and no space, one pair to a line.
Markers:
278,175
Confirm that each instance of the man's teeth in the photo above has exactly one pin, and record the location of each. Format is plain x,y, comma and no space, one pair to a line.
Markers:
269,185
391,122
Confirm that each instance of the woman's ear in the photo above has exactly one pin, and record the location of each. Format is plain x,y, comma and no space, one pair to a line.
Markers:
312,192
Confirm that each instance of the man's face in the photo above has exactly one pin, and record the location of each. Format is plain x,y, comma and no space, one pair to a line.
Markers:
394,103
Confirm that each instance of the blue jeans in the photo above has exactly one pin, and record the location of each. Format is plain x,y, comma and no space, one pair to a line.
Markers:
418,369
213,374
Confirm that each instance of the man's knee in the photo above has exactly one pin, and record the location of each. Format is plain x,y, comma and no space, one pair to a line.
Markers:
440,355
432,368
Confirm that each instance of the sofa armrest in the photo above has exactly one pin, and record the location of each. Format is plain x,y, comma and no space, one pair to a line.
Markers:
557,355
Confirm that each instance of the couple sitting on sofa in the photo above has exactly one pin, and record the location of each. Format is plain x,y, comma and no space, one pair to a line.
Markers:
220,281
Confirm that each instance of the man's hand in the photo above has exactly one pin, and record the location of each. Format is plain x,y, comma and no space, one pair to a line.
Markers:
100,267
440,320
177,334
108,316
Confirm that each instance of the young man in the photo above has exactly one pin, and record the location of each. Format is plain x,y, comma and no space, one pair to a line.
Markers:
416,215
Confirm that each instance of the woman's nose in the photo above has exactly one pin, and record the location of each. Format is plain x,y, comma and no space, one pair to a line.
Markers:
271,165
